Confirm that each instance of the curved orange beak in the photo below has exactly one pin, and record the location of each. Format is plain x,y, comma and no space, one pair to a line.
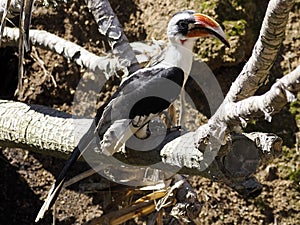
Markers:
206,26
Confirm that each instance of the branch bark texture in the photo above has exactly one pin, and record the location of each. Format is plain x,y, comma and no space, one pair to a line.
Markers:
267,104
52,132
110,27
265,51
39,128
31,127
99,65
281,93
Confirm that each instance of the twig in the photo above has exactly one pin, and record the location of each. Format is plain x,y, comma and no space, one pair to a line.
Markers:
41,63
24,46
54,214
4,8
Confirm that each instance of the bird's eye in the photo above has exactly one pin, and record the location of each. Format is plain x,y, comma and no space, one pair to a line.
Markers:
182,24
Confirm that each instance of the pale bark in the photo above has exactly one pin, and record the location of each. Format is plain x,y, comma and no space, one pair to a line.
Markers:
110,27
39,128
124,58
281,93
10,8
264,53
99,65
53,132
212,136
107,65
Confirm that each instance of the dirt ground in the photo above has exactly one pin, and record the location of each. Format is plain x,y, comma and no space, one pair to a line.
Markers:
26,177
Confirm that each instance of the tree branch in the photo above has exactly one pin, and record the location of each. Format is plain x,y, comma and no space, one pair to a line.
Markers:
110,27
281,93
125,60
209,138
106,65
53,132
265,51
27,126
39,128
193,153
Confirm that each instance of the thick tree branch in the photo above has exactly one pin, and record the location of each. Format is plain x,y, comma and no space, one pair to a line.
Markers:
19,122
108,65
282,92
53,132
39,128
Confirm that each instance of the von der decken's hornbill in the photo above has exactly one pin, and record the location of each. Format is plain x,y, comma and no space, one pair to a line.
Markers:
144,94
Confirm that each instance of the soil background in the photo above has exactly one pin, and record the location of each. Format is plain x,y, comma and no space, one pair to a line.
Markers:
26,177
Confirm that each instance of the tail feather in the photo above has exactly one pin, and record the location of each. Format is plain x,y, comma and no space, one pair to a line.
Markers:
57,186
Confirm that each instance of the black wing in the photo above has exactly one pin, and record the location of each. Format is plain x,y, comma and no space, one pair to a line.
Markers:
148,91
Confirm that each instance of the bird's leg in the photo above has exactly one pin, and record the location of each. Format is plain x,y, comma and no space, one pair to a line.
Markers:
135,126
143,132
118,143
171,117
182,109
138,121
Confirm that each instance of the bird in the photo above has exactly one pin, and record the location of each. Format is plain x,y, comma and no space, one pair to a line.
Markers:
144,94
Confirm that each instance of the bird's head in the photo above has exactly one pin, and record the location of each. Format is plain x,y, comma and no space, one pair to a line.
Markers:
187,26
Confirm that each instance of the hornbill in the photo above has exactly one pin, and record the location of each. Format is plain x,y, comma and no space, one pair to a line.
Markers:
144,94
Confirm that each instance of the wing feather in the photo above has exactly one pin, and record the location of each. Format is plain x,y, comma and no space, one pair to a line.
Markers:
149,91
